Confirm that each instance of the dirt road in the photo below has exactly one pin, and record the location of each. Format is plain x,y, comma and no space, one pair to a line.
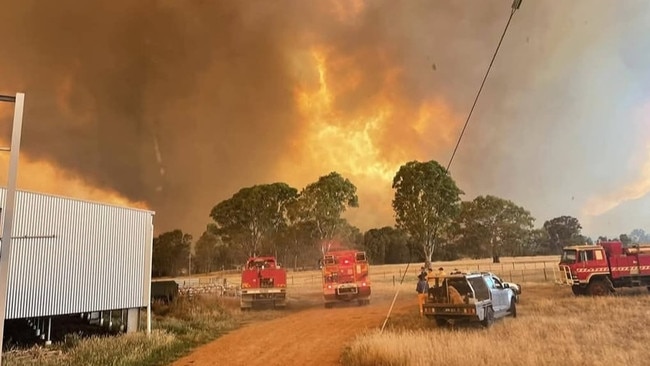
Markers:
307,336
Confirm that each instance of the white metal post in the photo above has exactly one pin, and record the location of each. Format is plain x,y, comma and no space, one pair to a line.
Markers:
148,275
8,210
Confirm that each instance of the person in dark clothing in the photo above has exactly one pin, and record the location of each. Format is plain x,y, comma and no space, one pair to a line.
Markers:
422,289
423,272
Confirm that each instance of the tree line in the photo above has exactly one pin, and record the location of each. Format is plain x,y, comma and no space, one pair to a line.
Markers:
298,227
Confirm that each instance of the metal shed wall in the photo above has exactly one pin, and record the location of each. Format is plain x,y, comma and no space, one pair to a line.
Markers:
72,256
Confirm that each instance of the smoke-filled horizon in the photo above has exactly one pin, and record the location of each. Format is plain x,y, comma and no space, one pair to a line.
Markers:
177,105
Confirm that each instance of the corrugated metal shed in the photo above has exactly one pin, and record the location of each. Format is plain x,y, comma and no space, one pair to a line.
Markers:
72,256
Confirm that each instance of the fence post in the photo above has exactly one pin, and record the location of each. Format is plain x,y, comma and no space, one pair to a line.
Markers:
545,278
555,275
523,278
510,276
393,280
292,280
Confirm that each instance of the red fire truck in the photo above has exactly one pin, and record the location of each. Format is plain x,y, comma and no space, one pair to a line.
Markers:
345,277
601,268
263,282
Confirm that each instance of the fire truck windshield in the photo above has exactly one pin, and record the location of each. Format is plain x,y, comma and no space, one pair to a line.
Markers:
568,256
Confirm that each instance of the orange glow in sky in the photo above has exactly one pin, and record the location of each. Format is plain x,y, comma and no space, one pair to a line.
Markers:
368,142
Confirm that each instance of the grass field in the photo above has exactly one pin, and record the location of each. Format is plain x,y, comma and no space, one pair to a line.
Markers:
179,327
553,327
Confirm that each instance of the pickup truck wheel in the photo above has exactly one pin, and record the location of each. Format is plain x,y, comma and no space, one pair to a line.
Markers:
513,308
441,322
489,317
598,288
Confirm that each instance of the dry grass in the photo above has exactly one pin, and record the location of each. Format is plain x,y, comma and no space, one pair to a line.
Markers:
185,324
130,349
408,340
553,327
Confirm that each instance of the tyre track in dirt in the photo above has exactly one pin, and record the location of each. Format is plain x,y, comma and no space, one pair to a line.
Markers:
306,337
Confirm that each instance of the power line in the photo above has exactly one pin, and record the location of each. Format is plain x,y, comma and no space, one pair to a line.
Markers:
515,5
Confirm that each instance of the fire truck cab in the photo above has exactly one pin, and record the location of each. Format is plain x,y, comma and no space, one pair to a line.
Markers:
601,268
345,277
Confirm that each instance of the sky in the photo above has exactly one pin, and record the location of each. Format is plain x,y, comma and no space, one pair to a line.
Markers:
174,106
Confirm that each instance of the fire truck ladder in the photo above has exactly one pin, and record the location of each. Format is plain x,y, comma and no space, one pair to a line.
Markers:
562,275
635,278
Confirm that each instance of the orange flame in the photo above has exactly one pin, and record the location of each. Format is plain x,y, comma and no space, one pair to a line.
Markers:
366,138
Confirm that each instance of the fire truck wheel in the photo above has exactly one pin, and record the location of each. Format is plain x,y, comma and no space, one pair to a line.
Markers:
578,291
598,288
513,308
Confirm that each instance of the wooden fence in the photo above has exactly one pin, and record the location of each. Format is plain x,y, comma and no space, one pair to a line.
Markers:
532,269
515,271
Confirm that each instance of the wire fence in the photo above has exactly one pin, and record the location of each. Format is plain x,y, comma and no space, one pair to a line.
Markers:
227,283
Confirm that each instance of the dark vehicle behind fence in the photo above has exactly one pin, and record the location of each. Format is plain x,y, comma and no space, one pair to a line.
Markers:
165,291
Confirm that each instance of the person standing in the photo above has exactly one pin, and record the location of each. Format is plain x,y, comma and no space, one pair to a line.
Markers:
422,289
423,272
438,277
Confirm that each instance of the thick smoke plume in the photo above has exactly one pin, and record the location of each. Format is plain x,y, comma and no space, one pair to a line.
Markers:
178,104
